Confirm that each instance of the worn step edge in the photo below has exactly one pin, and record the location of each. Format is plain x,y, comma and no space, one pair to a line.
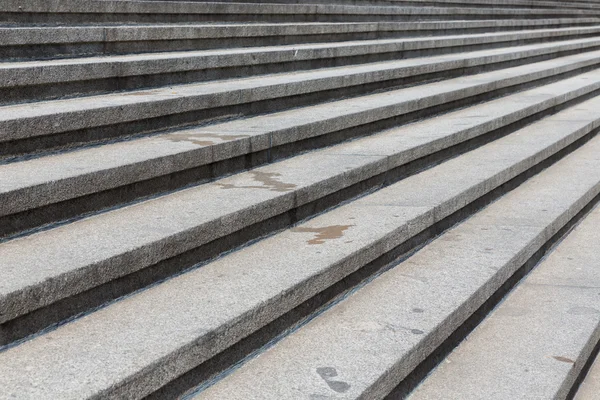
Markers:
545,330
165,360
54,180
365,345
51,79
78,118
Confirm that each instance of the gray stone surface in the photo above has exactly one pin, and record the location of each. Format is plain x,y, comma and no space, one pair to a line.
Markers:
52,117
119,352
121,168
365,345
131,238
535,343
43,181
31,73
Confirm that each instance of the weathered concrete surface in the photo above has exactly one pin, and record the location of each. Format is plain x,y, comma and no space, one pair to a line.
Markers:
318,253
536,342
65,176
365,345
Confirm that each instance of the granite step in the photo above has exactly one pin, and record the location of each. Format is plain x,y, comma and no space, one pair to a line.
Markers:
14,12
73,122
537,341
118,352
74,41
64,186
270,198
51,79
365,344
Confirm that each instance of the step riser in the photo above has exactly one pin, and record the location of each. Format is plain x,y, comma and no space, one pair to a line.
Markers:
38,320
15,94
207,371
257,104
84,47
74,18
18,223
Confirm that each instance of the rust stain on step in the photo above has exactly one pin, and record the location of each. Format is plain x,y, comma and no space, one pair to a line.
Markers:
203,139
325,233
269,181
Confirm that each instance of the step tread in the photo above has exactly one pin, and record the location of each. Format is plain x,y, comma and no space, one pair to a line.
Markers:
366,344
48,117
210,144
311,261
535,343
27,73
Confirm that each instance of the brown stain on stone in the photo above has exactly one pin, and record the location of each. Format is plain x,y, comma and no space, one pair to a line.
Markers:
325,233
563,359
203,139
269,181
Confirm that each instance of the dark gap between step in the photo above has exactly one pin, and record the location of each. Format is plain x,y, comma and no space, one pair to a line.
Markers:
56,214
17,150
432,361
225,362
30,94
584,371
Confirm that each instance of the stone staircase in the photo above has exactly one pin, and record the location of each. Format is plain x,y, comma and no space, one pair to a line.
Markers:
299,199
